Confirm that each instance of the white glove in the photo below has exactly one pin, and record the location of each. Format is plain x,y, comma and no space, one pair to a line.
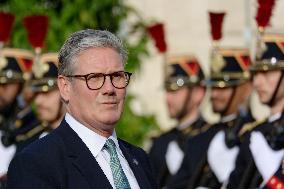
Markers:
266,159
7,154
221,159
174,157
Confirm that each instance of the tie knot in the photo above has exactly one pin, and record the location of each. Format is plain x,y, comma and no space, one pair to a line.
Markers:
109,145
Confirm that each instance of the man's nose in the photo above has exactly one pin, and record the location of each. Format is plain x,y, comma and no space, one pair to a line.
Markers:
108,86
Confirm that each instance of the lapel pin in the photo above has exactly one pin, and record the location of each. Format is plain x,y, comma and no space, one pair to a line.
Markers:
135,161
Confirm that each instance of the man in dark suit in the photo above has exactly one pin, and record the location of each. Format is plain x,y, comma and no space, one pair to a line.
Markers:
84,152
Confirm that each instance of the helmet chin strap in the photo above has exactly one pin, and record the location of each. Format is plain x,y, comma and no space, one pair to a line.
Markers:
273,97
225,110
183,111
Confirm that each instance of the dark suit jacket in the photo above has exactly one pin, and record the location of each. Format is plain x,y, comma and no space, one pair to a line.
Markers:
62,160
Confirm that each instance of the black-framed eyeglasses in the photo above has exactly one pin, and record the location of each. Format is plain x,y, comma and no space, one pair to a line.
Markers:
95,81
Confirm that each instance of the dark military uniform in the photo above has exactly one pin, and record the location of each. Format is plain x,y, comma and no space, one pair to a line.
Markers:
22,131
246,174
183,71
195,169
160,147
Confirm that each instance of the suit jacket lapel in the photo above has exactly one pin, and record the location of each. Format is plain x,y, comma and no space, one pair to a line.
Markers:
82,158
138,171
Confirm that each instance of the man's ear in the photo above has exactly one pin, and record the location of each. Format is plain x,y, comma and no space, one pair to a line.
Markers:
64,87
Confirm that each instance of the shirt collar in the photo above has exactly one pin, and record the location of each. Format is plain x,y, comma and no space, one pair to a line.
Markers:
93,141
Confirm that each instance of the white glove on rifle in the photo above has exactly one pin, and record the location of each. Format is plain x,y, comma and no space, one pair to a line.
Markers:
174,157
221,159
266,159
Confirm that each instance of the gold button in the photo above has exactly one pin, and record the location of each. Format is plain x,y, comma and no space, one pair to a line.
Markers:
279,186
18,123
272,181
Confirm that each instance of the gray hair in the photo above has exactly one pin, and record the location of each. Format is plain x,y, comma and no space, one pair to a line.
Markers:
83,40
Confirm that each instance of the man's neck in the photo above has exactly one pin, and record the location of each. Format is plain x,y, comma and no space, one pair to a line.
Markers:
277,107
56,123
106,132
189,118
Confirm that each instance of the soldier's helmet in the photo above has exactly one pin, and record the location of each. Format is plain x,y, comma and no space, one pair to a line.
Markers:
183,70
45,73
15,65
269,54
229,67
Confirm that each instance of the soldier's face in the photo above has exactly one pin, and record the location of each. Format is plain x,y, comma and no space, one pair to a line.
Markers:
265,84
220,98
48,105
177,101
8,94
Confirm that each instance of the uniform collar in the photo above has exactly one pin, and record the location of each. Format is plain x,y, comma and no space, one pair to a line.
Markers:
228,118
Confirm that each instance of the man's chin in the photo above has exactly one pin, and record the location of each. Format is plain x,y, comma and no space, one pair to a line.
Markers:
263,100
111,119
217,110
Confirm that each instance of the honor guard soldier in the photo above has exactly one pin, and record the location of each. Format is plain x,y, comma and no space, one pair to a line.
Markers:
48,104
25,131
231,88
262,151
15,64
265,139
184,94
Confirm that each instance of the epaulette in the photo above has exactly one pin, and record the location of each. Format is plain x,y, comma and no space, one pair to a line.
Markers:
36,130
250,126
189,131
155,134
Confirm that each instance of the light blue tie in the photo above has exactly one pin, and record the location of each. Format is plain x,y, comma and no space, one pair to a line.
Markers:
119,177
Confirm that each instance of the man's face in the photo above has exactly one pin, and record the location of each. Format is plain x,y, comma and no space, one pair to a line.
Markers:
265,84
220,98
177,101
48,105
8,94
97,109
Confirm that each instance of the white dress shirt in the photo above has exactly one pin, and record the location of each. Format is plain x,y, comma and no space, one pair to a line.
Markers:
95,143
